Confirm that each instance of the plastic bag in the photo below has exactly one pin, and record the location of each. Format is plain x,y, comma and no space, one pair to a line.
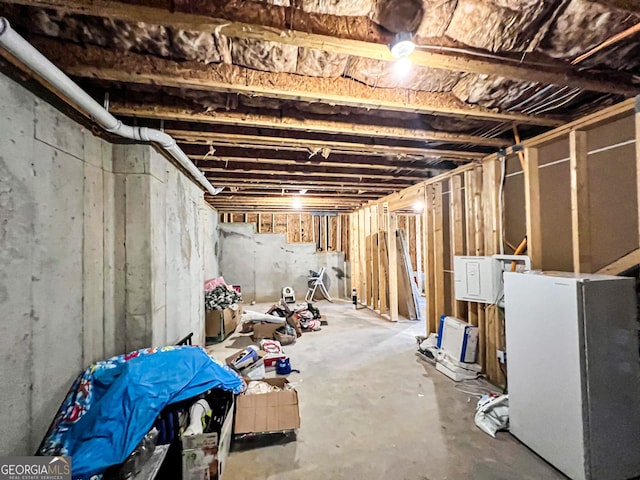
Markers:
492,414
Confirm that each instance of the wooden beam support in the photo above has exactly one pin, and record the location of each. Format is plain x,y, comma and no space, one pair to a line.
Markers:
291,195
623,264
470,232
291,185
383,259
305,145
353,252
362,259
297,173
580,209
438,247
207,17
457,233
532,205
407,198
375,260
369,256
297,124
392,251
203,161
419,250
90,61
429,260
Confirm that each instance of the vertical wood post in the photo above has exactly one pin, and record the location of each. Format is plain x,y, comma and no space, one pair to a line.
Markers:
393,265
362,244
532,204
375,261
368,295
470,232
457,234
429,267
580,216
383,260
438,261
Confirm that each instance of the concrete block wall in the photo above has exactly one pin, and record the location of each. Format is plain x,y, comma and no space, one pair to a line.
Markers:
263,263
102,250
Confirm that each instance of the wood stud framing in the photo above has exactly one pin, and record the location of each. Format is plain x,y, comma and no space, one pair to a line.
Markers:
580,215
475,227
532,201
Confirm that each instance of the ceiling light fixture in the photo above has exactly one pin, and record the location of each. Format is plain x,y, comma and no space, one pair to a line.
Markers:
297,204
402,45
418,206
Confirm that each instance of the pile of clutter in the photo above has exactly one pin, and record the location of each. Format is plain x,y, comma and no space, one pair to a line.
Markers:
253,362
453,351
218,295
282,322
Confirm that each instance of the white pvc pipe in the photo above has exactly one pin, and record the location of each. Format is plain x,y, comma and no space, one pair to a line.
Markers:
11,41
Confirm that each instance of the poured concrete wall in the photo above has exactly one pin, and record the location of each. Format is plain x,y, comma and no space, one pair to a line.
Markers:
263,263
102,250
56,266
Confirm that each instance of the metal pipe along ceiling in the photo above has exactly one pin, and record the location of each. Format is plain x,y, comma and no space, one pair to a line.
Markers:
11,41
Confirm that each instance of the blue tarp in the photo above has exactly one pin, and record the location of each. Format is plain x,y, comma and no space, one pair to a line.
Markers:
119,400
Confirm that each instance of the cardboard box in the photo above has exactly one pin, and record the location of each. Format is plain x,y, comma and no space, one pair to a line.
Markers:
268,412
255,371
204,456
265,330
219,324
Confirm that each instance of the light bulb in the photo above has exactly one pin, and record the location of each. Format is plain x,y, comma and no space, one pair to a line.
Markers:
297,204
418,206
402,67
402,45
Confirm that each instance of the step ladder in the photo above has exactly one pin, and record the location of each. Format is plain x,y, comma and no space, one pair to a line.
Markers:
315,282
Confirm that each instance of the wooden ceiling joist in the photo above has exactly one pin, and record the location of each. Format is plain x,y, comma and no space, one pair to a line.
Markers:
231,163
278,209
278,200
248,168
318,34
227,193
126,67
300,124
287,204
379,188
307,145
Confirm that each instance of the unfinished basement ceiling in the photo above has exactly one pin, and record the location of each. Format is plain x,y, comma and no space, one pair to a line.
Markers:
270,98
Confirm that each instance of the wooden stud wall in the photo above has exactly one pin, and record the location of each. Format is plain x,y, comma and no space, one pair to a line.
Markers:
469,197
300,227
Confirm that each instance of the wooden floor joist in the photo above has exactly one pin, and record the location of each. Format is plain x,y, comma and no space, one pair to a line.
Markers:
311,181
249,184
300,124
336,166
127,67
308,145
235,23
246,168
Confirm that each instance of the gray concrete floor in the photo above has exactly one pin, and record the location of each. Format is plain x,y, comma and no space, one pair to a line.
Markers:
371,409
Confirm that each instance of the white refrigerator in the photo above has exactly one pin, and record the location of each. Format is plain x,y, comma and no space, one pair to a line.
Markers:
574,371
